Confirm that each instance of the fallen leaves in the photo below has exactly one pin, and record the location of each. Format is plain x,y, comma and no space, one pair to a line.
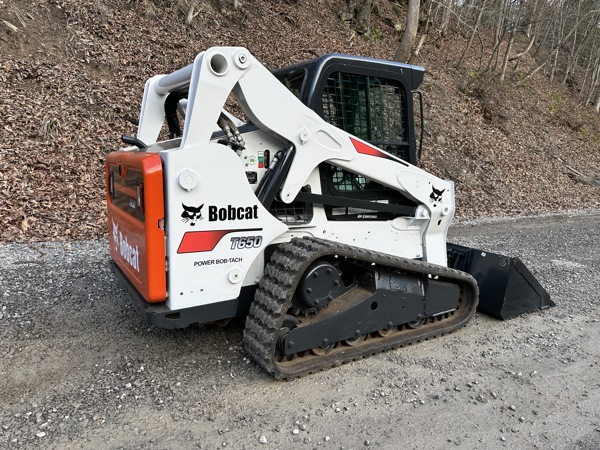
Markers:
71,83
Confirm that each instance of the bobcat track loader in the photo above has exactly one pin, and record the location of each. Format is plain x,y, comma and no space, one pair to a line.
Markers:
308,215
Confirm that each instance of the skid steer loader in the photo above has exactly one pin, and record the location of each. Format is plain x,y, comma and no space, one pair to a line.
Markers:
306,213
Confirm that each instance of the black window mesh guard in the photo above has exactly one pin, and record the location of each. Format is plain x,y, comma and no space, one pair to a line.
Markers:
368,107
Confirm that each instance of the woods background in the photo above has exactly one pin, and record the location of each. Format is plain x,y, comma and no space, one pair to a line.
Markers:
512,92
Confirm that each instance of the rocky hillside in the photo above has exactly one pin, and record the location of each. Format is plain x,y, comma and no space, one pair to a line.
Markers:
72,73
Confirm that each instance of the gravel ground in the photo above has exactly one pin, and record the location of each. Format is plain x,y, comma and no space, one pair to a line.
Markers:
79,369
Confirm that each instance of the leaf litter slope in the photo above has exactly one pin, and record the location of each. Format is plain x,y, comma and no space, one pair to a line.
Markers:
72,74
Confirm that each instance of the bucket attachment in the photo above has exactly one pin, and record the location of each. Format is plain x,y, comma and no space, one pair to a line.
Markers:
507,288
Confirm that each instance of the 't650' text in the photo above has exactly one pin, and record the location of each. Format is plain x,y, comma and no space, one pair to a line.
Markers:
241,243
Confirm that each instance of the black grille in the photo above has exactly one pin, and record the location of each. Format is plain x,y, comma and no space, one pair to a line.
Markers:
295,213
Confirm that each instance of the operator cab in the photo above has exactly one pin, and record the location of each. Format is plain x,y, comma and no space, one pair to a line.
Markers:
372,100
368,98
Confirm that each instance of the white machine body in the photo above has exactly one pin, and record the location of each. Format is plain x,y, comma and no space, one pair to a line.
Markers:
216,228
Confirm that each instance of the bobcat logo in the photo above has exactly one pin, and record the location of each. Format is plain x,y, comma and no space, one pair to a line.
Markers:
191,214
436,194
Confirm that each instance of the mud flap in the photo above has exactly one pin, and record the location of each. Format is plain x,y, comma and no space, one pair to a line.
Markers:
507,288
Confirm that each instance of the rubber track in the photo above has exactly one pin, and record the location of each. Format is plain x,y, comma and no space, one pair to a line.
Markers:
278,284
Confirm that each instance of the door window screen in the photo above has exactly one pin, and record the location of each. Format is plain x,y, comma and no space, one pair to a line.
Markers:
371,108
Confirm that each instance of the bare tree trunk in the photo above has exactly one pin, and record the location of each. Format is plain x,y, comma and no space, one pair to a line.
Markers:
424,34
560,40
524,52
514,24
572,52
546,32
597,105
586,74
589,34
595,81
470,41
499,24
498,36
530,26
554,64
590,67
447,6
536,70
506,57
410,32
554,51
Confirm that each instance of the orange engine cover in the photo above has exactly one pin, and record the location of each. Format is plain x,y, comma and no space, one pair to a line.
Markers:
134,187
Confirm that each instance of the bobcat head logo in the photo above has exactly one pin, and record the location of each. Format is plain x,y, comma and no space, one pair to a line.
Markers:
436,194
191,214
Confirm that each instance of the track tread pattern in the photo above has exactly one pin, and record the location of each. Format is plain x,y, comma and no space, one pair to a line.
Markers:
277,286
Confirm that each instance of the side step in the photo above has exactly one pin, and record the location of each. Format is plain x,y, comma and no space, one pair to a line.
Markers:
507,288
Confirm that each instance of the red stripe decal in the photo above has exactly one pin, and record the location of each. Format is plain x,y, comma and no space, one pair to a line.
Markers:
201,241
366,149
204,241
